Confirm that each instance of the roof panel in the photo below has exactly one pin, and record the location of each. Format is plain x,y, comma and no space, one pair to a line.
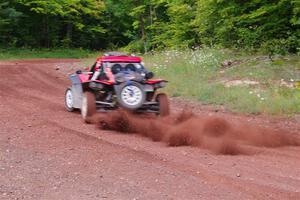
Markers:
119,59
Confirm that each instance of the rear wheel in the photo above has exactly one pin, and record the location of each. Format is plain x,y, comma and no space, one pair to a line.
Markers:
69,100
88,107
164,107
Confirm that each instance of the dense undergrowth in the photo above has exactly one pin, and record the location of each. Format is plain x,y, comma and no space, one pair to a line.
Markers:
145,25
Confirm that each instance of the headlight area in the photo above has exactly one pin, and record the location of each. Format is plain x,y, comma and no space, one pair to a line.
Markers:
149,88
160,84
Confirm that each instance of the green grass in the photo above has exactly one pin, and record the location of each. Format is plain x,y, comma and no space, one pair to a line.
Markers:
9,54
199,75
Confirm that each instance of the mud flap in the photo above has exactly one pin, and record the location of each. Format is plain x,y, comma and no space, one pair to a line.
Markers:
77,90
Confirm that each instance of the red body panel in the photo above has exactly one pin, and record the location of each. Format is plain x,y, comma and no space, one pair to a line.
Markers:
104,82
128,59
84,77
153,81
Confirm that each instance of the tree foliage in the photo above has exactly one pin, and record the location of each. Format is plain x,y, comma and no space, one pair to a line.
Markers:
143,25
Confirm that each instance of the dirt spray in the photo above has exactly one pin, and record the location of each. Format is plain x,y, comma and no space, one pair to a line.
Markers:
187,129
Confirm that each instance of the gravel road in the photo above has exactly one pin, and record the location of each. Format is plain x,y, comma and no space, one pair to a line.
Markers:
47,153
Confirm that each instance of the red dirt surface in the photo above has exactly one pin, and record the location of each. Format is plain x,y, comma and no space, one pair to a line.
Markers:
48,153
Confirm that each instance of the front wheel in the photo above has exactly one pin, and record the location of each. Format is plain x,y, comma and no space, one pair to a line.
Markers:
88,107
164,107
69,100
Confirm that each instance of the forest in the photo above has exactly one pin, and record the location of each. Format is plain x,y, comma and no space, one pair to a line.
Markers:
146,25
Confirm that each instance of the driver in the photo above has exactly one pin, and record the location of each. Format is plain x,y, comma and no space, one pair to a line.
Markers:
102,73
96,71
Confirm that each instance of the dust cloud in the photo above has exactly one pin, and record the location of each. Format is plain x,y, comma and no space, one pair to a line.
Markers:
187,129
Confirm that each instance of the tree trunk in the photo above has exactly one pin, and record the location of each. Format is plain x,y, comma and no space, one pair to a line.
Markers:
69,33
142,32
45,39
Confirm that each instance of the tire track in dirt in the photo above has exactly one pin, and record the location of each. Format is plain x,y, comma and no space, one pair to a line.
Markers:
204,176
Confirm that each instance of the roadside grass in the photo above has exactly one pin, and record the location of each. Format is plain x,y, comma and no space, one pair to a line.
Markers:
251,84
15,53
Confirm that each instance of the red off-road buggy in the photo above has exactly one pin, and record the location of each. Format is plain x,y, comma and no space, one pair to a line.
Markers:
116,80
